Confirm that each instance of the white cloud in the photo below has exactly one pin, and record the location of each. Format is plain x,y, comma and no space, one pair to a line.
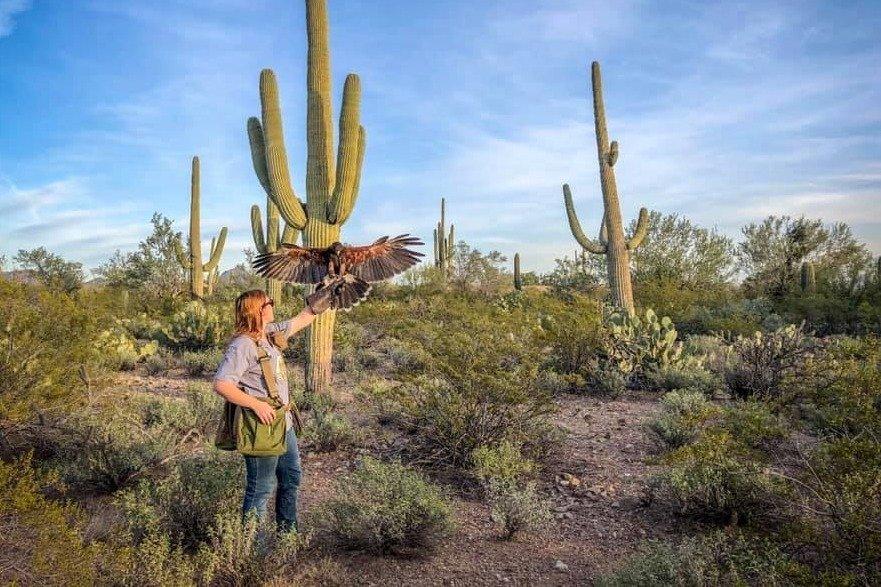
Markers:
8,10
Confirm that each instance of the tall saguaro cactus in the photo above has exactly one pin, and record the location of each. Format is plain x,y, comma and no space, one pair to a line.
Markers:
611,242
808,278
269,242
331,183
192,263
444,244
518,279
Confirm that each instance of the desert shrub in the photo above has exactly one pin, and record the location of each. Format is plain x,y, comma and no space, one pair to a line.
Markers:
574,338
517,507
118,350
754,424
39,358
479,389
200,362
40,542
718,558
384,507
157,364
198,326
759,363
185,504
504,462
144,327
154,561
838,392
108,445
841,492
381,395
329,431
693,376
684,413
514,501
717,477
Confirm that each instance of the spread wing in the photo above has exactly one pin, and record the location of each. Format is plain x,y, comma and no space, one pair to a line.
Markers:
293,263
383,259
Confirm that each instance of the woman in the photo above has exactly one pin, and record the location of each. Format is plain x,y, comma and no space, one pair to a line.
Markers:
239,379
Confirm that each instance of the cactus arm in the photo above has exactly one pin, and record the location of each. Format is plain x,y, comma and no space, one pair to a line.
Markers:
258,153
319,124
257,229
451,243
434,232
289,235
575,225
282,192
362,147
642,229
216,251
348,153
272,224
604,232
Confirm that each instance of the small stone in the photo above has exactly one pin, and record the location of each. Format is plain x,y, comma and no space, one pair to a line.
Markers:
622,421
608,435
561,566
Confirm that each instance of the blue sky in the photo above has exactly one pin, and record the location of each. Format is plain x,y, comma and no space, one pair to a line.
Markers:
725,112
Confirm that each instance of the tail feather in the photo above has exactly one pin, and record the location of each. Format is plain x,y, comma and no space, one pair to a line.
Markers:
349,291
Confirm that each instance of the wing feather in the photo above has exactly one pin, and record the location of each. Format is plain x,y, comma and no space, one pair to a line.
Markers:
383,259
293,263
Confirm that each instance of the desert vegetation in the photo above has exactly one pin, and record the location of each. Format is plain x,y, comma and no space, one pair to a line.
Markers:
668,406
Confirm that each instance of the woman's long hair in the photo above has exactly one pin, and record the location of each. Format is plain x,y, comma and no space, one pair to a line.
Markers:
249,313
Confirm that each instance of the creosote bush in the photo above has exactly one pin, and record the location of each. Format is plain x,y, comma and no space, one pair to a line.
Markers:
684,414
718,558
384,507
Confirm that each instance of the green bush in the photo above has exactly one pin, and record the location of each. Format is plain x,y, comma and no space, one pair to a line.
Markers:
383,508
118,350
198,326
185,504
156,364
40,539
759,363
106,446
40,361
517,507
198,363
692,376
717,477
684,414
718,558
502,462
754,424
841,489
248,552
329,431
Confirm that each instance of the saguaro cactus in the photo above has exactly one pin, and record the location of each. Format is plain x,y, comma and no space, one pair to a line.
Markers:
611,242
444,244
268,242
192,263
518,280
808,278
331,184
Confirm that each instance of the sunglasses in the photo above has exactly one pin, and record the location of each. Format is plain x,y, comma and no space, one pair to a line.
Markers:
271,302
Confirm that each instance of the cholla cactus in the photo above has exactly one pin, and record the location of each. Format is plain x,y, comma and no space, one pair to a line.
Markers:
331,182
518,280
444,244
611,242
268,242
192,263
808,278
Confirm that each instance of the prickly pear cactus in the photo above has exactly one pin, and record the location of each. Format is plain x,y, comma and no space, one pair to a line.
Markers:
196,327
642,342
118,349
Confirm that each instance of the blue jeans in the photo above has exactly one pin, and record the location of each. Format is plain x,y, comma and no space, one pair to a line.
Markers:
263,474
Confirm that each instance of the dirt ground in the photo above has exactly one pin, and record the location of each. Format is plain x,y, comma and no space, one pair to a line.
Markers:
599,517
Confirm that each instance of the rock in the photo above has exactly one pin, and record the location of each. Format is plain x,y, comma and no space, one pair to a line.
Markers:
622,421
561,566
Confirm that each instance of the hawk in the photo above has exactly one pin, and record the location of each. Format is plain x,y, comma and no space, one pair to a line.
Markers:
347,269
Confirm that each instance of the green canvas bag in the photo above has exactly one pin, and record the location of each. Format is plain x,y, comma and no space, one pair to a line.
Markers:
240,429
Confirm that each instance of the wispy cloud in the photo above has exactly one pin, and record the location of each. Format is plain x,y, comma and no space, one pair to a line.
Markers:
8,11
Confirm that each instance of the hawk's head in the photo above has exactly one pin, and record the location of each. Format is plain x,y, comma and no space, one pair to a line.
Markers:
336,248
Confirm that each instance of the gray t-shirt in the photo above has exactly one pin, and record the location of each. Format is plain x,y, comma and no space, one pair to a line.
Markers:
241,366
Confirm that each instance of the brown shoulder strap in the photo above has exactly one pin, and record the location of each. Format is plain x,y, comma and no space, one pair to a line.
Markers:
268,374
